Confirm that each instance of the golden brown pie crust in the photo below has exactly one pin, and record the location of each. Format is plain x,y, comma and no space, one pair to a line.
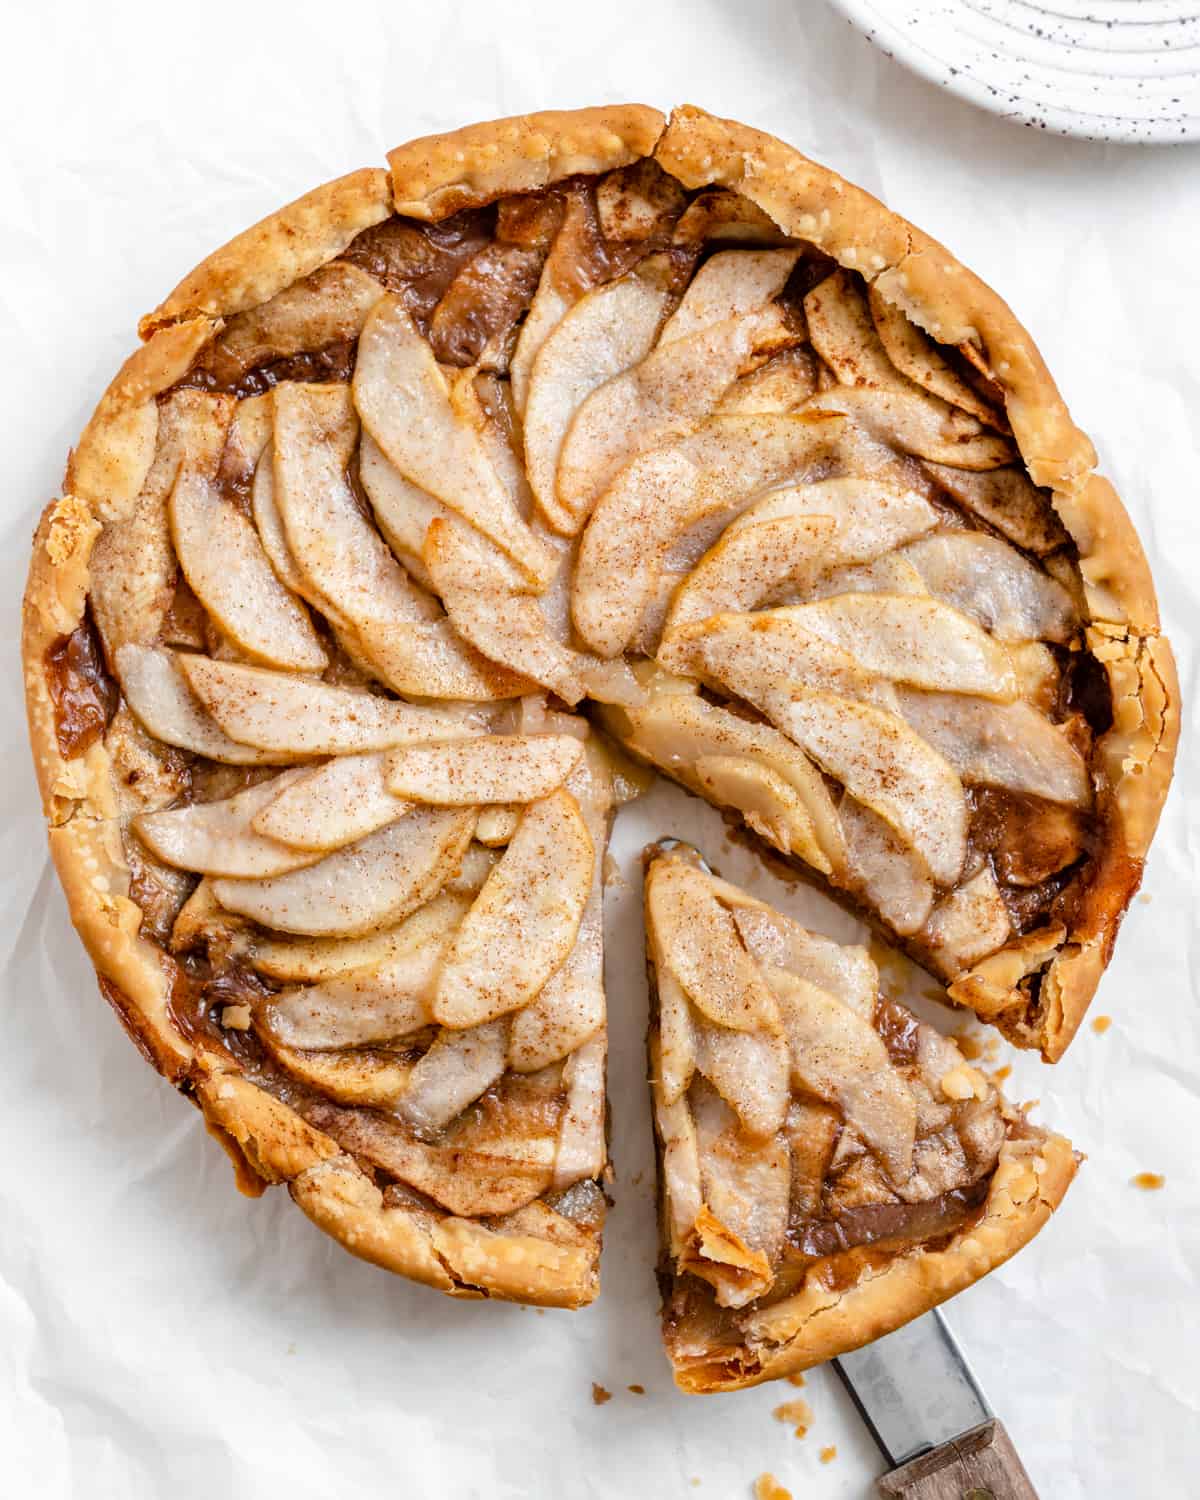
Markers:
430,179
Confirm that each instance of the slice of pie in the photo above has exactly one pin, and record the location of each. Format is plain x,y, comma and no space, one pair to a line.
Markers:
829,1165
569,420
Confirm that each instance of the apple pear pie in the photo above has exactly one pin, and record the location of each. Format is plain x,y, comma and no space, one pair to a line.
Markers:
829,1165
419,498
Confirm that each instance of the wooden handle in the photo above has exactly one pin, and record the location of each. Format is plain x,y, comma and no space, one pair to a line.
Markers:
980,1465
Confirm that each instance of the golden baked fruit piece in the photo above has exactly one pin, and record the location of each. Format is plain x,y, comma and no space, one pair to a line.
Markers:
568,420
829,1165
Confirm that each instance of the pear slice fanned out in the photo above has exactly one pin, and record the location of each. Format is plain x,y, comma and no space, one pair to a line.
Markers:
873,515
843,334
661,495
269,524
676,1036
1008,500
728,284
582,1150
607,331
402,398
990,581
381,1003
1001,744
879,760
667,395
279,713
840,1057
218,838
403,510
495,768
229,572
699,944
332,805
308,961
918,423
750,1071
911,639
776,942
163,702
914,354
373,883
524,920
883,869
452,1074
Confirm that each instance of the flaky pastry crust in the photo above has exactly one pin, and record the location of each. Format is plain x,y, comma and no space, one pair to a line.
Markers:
430,179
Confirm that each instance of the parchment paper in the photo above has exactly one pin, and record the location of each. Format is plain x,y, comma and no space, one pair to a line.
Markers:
159,1335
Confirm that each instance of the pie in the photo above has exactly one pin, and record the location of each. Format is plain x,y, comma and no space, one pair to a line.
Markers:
433,497
829,1165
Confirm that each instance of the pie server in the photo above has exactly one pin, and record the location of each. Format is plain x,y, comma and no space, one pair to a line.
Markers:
932,1422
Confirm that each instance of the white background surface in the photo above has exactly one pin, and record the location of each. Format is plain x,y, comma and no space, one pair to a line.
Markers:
160,1336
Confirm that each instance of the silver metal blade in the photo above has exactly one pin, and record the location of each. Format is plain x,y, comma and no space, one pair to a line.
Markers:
914,1388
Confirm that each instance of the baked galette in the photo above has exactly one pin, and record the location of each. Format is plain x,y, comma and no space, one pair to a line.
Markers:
564,430
829,1165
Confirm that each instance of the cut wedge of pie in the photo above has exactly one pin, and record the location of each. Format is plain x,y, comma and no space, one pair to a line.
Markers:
829,1165
570,423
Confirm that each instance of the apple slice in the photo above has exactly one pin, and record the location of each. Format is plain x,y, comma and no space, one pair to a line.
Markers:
990,581
668,394
660,496
1001,744
403,510
332,805
279,713
606,332
843,334
840,1057
879,760
914,422
229,572
700,946
496,768
218,838
307,961
728,285
452,1074
910,639
915,354
370,884
402,398
163,702
524,920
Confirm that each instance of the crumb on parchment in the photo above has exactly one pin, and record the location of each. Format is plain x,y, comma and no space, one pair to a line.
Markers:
1101,1024
827,1455
1149,1182
796,1379
599,1394
636,1390
797,1414
767,1487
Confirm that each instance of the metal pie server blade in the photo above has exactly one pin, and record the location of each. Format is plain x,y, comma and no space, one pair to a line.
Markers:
930,1418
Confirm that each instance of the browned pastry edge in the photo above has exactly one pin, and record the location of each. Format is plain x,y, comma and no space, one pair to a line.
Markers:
817,1323
430,179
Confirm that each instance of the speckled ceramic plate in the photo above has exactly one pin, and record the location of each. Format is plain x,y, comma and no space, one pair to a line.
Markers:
1106,70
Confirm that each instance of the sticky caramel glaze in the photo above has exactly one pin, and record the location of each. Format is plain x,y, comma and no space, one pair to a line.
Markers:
85,696
333,363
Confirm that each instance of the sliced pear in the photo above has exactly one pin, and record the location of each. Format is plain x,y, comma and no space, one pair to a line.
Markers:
1001,744
452,1074
606,332
229,572
159,695
477,864
681,1190
380,1003
667,395
894,881
314,960
496,768
727,285
699,944
873,515
582,1150
404,403
782,384
370,884
879,760
750,1071
844,970
890,574
497,825
751,767
917,423
990,581
841,1058
403,510
914,354
676,1050
374,1080
331,805
524,920
843,334
968,924
270,526
1008,500
280,713
658,497
218,838
720,214
563,281
911,639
